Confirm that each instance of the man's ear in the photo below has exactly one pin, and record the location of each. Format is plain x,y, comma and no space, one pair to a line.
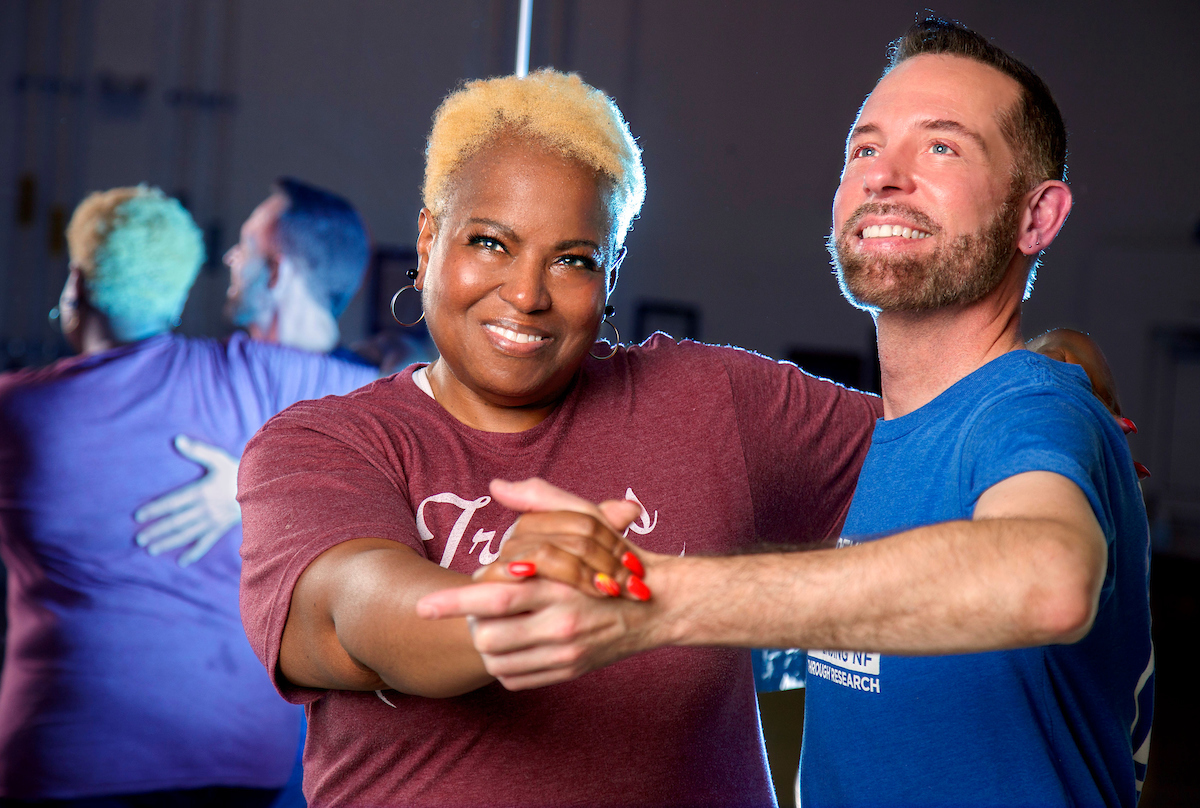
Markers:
1046,209
426,235
272,260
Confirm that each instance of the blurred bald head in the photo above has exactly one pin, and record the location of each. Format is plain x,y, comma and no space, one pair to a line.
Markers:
1077,348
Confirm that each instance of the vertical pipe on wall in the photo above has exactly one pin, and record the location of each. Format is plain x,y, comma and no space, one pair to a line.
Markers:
523,30
20,178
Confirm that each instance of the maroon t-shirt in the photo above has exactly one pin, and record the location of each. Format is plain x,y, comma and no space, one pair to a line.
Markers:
723,448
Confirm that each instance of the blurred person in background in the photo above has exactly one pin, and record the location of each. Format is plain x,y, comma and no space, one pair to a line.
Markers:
299,261
128,676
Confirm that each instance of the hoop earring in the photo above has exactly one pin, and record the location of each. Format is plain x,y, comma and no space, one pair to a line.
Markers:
412,273
608,312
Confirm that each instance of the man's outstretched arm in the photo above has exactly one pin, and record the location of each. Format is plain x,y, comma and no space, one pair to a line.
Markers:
1026,570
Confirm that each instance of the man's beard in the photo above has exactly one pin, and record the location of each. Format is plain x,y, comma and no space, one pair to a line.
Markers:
959,273
253,304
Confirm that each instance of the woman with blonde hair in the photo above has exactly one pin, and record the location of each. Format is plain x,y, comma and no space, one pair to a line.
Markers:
355,507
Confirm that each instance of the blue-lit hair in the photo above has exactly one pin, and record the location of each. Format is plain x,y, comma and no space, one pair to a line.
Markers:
146,256
326,235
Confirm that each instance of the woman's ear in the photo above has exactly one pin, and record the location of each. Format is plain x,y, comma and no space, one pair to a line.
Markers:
426,235
614,268
72,304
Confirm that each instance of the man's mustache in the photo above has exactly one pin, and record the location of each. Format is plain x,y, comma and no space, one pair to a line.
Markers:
888,209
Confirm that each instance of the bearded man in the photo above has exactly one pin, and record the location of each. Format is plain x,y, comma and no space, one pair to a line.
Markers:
986,613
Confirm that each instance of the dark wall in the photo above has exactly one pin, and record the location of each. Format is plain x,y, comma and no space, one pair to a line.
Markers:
741,107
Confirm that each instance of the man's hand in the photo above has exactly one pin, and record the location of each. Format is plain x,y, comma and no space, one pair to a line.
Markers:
199,513
539,632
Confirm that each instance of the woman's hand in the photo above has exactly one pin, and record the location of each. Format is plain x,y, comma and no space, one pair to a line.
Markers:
564,538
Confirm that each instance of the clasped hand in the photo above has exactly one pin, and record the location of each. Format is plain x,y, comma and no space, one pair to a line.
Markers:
566,595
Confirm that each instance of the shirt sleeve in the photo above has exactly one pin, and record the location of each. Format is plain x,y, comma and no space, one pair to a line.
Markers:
309,480
804,441
1040,429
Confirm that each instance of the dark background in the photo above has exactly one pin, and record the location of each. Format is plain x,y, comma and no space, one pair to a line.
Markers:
742,109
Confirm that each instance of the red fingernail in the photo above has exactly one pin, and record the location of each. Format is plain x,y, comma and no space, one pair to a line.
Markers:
606,584
633,564
638,588
1128,426
1142,471
522,569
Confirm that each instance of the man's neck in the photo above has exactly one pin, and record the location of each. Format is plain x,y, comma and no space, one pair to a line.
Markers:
297,321
921,354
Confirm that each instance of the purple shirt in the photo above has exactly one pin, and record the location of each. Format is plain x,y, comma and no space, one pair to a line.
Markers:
124,671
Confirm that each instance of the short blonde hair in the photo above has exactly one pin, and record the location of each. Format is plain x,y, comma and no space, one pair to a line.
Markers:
91,223
139,252
559,109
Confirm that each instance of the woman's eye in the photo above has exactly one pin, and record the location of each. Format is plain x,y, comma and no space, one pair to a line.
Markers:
487,242
578,261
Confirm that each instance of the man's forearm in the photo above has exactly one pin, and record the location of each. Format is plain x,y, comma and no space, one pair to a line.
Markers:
950,588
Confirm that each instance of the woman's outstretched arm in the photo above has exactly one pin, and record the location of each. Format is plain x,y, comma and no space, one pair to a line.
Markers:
352,625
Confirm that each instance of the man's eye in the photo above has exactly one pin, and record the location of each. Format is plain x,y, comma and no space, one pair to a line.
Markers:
864,151
941,148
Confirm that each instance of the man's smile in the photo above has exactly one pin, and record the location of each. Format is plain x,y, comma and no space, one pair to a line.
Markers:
891,230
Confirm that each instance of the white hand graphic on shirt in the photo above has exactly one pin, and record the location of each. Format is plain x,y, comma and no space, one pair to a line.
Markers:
198,513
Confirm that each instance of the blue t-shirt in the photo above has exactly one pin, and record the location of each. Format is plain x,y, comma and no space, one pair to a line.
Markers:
124,671
1049,725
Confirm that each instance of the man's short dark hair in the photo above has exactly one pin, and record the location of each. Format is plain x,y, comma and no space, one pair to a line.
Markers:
1033,127
327,235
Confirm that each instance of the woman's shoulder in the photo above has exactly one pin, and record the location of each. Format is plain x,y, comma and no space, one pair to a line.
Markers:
663,354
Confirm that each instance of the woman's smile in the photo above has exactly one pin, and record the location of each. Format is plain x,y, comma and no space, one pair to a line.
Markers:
516,339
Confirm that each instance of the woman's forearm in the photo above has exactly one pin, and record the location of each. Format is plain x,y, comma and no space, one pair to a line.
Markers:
352,625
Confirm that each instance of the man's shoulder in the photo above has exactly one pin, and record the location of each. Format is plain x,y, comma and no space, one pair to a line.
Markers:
1023,368
1041,416
284,375
240,344
392,398
1022,384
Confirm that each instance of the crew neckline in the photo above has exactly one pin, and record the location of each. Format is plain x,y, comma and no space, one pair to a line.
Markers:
974,385
498,441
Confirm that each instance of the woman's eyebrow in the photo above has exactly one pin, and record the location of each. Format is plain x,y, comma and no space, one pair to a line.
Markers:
504,229
577,242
